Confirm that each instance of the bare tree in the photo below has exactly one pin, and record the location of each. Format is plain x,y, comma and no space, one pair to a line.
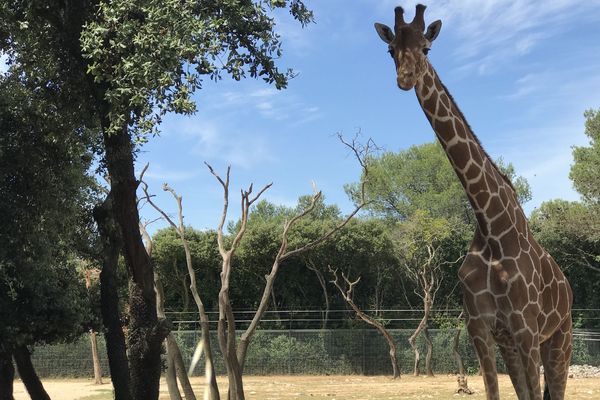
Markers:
347,290
311,265
234,354
211,388
419,244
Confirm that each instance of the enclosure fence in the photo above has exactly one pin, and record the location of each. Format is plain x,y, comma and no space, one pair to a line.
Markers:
281,348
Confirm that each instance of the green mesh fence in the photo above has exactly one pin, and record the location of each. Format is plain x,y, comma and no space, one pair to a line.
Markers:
308,351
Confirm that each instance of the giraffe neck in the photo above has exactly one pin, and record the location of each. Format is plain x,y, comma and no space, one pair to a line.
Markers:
488,190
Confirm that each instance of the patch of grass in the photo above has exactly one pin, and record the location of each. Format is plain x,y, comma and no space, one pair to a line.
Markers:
106,394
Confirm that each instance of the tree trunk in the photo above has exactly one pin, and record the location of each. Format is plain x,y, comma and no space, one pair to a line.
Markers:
227,342
28,375
413,344
146,332
186,294
429,354
171,378
7,376
323,284
463,387
175,366
109,299
95,358
422,326
93,338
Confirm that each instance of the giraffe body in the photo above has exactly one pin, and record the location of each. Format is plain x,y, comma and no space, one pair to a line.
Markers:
515,295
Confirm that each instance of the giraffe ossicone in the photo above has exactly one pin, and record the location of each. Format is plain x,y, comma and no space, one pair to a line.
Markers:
515,295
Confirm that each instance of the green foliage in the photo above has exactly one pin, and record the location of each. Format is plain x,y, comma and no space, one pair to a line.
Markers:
519,183
421,178
152,54
585,171
570,232
418,233
45,201
417,178
168,256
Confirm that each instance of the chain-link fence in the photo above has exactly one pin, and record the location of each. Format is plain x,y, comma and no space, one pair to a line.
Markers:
307,351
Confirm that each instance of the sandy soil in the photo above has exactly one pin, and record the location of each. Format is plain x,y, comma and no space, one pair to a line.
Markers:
325,387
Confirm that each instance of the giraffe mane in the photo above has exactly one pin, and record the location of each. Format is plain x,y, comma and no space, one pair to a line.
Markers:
460,113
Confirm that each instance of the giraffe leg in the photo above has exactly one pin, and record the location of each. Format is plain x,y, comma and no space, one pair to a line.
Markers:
528,346
514,367
484,347
556,357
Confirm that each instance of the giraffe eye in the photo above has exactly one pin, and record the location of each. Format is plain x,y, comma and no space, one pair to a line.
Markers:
426,50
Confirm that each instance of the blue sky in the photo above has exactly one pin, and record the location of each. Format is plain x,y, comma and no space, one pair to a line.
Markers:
522,72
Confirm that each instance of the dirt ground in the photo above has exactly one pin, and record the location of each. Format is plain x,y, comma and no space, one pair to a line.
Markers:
324,387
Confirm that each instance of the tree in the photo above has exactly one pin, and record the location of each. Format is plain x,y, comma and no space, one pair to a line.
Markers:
235,353
419,242
126,63
45,208
211,388
421,178
346,289
585,172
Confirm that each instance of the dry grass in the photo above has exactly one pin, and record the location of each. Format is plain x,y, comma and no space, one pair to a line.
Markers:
326,387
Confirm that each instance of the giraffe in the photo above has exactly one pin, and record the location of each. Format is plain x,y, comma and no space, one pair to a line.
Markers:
515,296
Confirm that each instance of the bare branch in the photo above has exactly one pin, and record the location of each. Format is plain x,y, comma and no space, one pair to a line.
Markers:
225,184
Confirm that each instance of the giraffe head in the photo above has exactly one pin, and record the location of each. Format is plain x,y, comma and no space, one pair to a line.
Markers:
408,44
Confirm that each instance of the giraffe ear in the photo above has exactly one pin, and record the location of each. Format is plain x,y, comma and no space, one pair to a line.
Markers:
433,30
384,31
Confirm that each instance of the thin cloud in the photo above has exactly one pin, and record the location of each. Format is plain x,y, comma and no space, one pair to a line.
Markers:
216,142
269,103
159,173
493,32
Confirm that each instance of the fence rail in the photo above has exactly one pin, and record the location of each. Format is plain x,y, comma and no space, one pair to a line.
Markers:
306,351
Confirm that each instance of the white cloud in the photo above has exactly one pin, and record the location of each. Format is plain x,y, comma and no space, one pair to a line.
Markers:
269,103
213,141
159,173
492,32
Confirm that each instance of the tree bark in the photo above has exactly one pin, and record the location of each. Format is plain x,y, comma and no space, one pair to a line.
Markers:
109,299
171,378
175,367
146,332
422,325
96,358
429,354
28,375
7,376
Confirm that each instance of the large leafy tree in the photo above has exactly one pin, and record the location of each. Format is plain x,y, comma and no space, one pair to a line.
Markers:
585,172
421,178
127,63
45,200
